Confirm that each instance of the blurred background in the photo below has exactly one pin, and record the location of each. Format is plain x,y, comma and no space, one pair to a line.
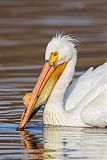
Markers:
26,26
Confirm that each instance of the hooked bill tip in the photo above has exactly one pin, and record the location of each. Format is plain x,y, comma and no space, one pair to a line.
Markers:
20,128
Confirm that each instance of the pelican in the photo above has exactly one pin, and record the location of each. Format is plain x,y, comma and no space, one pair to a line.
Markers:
79,104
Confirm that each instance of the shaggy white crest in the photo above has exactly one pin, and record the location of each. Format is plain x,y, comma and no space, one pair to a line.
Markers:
64,44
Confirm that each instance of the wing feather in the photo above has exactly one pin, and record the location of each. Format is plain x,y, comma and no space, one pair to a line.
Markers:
85,84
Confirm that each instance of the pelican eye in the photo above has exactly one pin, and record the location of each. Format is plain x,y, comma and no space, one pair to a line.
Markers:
54,53
54,57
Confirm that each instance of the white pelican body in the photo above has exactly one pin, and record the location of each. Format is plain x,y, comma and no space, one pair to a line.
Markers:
81,104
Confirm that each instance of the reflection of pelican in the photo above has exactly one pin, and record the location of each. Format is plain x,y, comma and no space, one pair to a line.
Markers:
76,143
80,104
33,146
28,140
66,143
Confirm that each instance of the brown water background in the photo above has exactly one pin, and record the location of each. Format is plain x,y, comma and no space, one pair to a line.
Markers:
26,26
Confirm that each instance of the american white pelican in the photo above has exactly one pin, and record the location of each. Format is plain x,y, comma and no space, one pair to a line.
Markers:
82,104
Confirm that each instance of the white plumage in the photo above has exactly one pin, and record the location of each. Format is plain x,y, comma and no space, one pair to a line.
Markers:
81,104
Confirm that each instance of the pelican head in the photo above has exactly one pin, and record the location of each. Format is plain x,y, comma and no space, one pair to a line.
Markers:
59,52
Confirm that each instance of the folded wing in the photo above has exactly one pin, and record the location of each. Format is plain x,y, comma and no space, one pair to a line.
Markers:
85,89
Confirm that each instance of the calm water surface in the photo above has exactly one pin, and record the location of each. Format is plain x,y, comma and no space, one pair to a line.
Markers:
25,29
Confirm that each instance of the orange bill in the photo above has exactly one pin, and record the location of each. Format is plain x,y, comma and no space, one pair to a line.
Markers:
43,78
51,72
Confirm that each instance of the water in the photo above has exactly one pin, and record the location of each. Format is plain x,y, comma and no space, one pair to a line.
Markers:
25,29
